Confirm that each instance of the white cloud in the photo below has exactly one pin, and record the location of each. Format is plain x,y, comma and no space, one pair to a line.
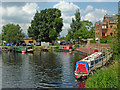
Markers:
66,8
89,8
18,15
67,19
30,8
65,29
60,0
66,26
24,27
95,15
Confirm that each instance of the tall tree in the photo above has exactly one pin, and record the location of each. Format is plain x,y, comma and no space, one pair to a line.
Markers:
80,29
46,25
0,37
115,41
76,24
12,33
87,25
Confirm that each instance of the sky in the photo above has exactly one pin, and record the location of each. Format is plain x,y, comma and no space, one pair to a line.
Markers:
22,12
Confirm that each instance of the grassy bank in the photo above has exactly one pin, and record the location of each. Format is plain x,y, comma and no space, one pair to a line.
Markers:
106,77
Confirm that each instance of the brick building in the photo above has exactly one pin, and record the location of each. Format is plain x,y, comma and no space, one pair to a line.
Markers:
28,40
106,27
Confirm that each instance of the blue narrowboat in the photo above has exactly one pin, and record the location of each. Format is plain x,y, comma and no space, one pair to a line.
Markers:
83,67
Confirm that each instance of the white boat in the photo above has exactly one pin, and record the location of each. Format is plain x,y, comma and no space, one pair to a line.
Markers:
29,49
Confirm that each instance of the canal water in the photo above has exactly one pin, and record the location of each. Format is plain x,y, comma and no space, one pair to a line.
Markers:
40,70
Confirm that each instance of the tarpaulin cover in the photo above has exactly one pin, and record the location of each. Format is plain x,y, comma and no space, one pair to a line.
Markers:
7,44
82,67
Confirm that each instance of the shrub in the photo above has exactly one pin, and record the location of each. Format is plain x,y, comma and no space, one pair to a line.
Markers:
104,78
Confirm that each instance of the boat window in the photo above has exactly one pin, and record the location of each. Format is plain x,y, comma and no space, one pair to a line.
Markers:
92,63
96,61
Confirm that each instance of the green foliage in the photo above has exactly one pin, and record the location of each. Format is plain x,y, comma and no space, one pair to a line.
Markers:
104,40
69,36
76,46
92,41
80,29
46,25
115,42
56,49
0,38
107,39
88,26
49,50
12,33
106,78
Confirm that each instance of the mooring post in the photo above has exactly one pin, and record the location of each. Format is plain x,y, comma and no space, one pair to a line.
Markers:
89,50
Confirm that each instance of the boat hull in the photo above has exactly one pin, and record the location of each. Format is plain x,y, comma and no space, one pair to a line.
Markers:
23,52
79,76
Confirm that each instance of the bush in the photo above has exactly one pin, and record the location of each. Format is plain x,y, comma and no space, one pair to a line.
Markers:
103,40
106,78
76,46
57,49
92,41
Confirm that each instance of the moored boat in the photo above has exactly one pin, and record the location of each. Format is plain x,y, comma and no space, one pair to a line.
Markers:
20,49
29,49
65,48
83,67
23,51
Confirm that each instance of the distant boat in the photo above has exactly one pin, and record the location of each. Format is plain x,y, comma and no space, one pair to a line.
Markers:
20,49
83,67
23,51
29,49
65,48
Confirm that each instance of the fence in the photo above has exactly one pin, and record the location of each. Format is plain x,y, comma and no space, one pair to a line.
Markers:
101,61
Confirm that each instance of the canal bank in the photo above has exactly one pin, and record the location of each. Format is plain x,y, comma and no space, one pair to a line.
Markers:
106,77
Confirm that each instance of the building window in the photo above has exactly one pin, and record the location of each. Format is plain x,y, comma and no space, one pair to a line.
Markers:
30,41
111,26
111,34
105,34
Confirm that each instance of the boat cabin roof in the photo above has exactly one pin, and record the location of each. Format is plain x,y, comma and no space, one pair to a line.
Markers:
91,57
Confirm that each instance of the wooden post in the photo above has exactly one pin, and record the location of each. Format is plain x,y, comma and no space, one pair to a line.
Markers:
89,50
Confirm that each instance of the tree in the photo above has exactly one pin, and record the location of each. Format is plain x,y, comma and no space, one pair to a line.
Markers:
12,33
75,25
0,38
46,25
89,27
80,29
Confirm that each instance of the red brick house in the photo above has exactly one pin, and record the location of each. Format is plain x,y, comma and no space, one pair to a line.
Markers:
106,27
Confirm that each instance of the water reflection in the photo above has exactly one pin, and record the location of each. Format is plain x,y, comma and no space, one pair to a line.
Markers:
42,70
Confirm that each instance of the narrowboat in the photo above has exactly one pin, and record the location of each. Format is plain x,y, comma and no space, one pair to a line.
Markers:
29,50
20,49
83,67
65,48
